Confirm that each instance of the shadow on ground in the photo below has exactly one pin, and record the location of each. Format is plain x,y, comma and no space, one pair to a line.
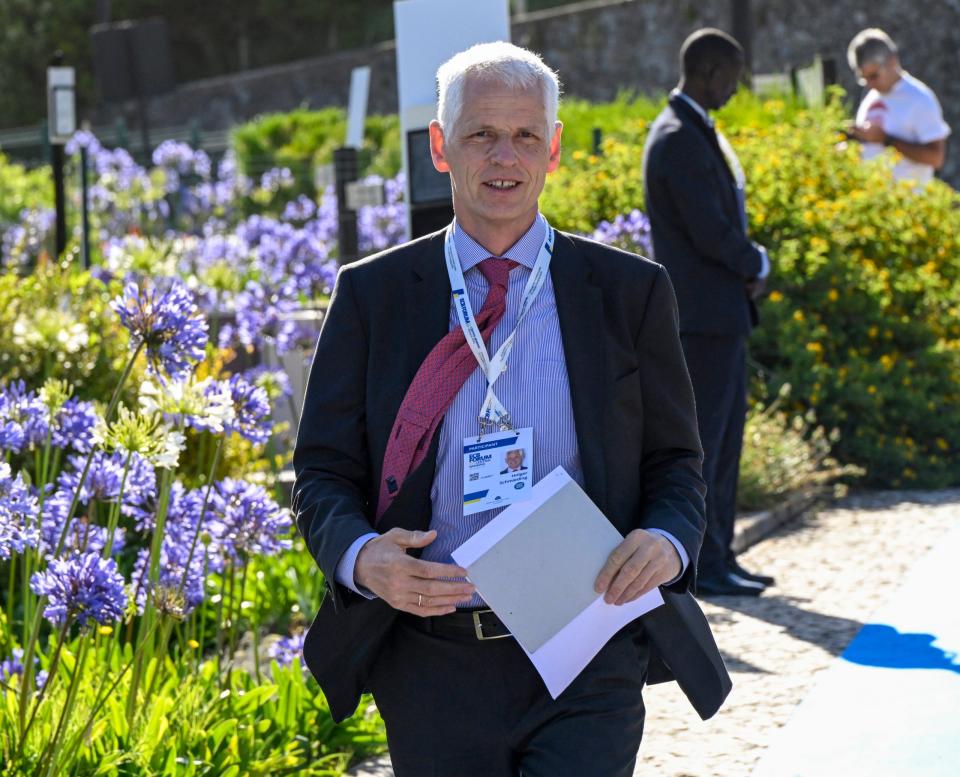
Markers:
829,632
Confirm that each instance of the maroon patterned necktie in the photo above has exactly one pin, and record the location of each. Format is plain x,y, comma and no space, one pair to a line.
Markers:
435,385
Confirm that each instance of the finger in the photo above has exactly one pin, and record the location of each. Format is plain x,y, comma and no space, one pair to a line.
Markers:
434,569
614,562
446,600
634,568
411,539
443,588
637,588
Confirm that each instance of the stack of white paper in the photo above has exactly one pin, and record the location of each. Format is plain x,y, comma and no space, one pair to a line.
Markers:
535,565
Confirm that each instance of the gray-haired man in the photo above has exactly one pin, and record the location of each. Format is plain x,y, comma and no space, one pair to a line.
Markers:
898,110
597,384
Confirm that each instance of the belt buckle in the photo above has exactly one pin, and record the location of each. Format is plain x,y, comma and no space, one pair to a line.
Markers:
478,627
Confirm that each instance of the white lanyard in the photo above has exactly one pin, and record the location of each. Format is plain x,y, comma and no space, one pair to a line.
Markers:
492,412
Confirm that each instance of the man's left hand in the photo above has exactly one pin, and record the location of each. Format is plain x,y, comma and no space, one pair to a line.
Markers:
868,132
639,564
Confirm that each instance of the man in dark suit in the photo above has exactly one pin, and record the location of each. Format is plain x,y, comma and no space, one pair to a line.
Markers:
514,462
596,377
694,190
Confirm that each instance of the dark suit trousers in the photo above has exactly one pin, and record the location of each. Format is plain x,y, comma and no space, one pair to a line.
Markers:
718,371
479,709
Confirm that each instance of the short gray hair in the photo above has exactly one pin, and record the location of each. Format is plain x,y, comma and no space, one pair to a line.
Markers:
499,62
870,45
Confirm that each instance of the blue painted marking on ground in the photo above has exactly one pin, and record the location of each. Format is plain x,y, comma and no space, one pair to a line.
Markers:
890,705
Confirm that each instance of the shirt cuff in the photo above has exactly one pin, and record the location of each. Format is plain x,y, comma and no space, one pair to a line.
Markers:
681,551
764,262
344,571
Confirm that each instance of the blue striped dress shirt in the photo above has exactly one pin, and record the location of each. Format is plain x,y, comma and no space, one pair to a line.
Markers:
534,389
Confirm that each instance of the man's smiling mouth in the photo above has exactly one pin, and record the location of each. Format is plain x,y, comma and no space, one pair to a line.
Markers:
502,184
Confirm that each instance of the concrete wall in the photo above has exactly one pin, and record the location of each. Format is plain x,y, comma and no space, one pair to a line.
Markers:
603,46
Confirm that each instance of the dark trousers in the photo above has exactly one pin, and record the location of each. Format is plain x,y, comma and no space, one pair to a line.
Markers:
478,709
718,371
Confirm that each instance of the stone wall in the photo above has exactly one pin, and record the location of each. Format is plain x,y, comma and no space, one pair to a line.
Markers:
603,46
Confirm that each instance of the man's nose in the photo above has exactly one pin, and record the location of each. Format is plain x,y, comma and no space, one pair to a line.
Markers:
503,151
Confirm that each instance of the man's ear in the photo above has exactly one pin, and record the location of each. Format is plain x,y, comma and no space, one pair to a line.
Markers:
436,147
554,162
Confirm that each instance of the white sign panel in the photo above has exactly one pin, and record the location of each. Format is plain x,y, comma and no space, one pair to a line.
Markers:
357,112
61,103
428,33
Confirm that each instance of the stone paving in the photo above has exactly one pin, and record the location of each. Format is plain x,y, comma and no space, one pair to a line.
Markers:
834,568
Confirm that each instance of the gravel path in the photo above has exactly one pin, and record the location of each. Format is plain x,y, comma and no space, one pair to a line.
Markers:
833,570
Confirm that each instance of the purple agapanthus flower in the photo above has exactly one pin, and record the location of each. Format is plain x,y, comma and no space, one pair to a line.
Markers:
81,536
168,323
84,586
284,650
18,514
630,232
74,426
301,209
251,410
243,520
13,667
24,417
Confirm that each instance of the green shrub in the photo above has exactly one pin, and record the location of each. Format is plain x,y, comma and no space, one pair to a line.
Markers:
21,188
862,319
302,139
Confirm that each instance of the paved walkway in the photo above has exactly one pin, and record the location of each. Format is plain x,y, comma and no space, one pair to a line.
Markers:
833,570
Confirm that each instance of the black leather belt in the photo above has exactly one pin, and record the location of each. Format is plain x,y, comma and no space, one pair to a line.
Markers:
464,625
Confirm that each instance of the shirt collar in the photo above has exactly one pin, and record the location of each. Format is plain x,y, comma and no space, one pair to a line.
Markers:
524,251
693,104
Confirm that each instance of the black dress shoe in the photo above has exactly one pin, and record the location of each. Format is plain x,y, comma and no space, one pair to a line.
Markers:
728,584
734,566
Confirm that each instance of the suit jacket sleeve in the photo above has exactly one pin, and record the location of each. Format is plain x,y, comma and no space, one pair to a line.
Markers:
331,457
673,487
716,236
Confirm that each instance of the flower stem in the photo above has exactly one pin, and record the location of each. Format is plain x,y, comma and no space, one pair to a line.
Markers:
27,682
54,746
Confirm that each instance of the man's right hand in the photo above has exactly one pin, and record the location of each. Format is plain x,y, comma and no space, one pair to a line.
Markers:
406,583
757,288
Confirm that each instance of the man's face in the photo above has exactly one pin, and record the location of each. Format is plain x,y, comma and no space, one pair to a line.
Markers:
514,459
498,156
879,75
722,84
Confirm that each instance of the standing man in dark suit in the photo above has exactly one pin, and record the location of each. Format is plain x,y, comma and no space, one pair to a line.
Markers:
694,188
596,383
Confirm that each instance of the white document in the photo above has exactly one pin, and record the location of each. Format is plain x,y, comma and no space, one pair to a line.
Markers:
535,565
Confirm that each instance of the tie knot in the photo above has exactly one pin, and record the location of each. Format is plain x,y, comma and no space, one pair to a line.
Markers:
497,270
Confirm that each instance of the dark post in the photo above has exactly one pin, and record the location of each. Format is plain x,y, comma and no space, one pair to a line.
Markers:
346,170
597,141
59,189
59,198
84,208
741,25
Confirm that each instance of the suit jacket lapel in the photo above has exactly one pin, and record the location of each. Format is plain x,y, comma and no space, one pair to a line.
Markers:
687,114
427,304
580,310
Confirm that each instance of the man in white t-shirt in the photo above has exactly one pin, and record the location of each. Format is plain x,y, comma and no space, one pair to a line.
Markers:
898,110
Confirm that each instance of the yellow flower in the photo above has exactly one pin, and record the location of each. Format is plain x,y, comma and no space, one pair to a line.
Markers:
816,348
942,444
887,361
192,644
871,389
798,315
910,474
833,295
105,630
776,296
873,331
